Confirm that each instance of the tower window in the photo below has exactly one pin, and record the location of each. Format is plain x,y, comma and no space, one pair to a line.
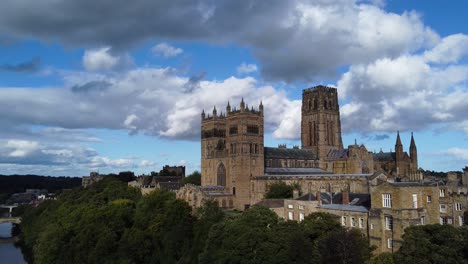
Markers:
252,129
233,130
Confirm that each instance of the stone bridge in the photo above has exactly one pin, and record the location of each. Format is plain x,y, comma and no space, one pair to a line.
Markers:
14,220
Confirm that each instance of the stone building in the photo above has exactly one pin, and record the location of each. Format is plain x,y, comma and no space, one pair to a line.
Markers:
232,150
233,153
399,163
92,178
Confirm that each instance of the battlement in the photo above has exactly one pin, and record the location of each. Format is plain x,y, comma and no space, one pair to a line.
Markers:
319,89
243,109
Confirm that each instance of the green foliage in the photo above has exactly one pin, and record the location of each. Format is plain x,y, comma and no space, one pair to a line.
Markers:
465,216
194,178
433,244
112,223
345,246
279,190
384,258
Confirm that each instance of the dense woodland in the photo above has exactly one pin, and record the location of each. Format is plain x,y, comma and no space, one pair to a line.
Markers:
19,183
112,223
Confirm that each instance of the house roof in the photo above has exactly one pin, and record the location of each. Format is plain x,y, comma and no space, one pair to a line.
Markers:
345,207
338,154
385,156
285,153
294,171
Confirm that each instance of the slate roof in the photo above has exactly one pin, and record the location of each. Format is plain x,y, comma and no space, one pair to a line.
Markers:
385,156
338,154
285,153
294,171
355,199
271,203
345,207
411,184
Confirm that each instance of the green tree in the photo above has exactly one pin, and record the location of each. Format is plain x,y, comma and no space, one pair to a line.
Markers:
384,258
345,246
279,190
433,244
194,178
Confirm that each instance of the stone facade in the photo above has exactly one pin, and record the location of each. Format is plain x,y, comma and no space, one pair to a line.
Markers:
399,163
232,150
92,178
320,124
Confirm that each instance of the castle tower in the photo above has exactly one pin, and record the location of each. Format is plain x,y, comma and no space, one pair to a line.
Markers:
321,127
413,155
232,151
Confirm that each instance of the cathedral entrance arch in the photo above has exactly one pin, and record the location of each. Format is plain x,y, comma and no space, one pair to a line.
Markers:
221,178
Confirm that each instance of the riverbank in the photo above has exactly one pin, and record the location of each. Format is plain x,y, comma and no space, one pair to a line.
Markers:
9,252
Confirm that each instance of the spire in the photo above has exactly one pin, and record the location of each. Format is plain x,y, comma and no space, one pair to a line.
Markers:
398,140
412,144
214,111
228,108
260,108
242,105
203,114
355,142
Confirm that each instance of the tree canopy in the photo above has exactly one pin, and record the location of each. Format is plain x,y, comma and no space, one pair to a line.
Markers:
112,223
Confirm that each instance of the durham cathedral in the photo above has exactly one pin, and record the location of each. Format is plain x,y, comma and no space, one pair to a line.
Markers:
234,158
379,193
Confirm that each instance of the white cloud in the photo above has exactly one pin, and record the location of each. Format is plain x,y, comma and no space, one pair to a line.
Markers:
21,148
458,153
147,163
292,40
166,50
99,161
246,68
99,59
408,92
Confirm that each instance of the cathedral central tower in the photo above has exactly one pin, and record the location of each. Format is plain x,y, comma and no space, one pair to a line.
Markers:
321,127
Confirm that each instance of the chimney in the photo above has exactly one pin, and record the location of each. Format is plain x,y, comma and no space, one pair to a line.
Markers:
319,198
465,176
452,176
345,196
295,194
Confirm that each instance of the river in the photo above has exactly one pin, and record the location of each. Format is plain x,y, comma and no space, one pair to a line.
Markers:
9,254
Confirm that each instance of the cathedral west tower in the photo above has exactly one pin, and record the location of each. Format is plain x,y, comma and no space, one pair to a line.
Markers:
321,127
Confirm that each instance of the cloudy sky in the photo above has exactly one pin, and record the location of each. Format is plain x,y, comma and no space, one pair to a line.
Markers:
113,85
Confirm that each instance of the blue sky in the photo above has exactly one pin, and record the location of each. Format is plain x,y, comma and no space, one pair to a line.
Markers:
88,85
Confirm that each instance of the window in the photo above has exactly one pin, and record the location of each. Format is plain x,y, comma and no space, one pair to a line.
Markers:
301,207
442,193
301,216
389,243
290,206
371,226
233,130
443,208
429,199
461,220
353,222
449,220
290,216
415,200
343,220
361,223
387,200
252,129
423,220
458,207
443,220
388,222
